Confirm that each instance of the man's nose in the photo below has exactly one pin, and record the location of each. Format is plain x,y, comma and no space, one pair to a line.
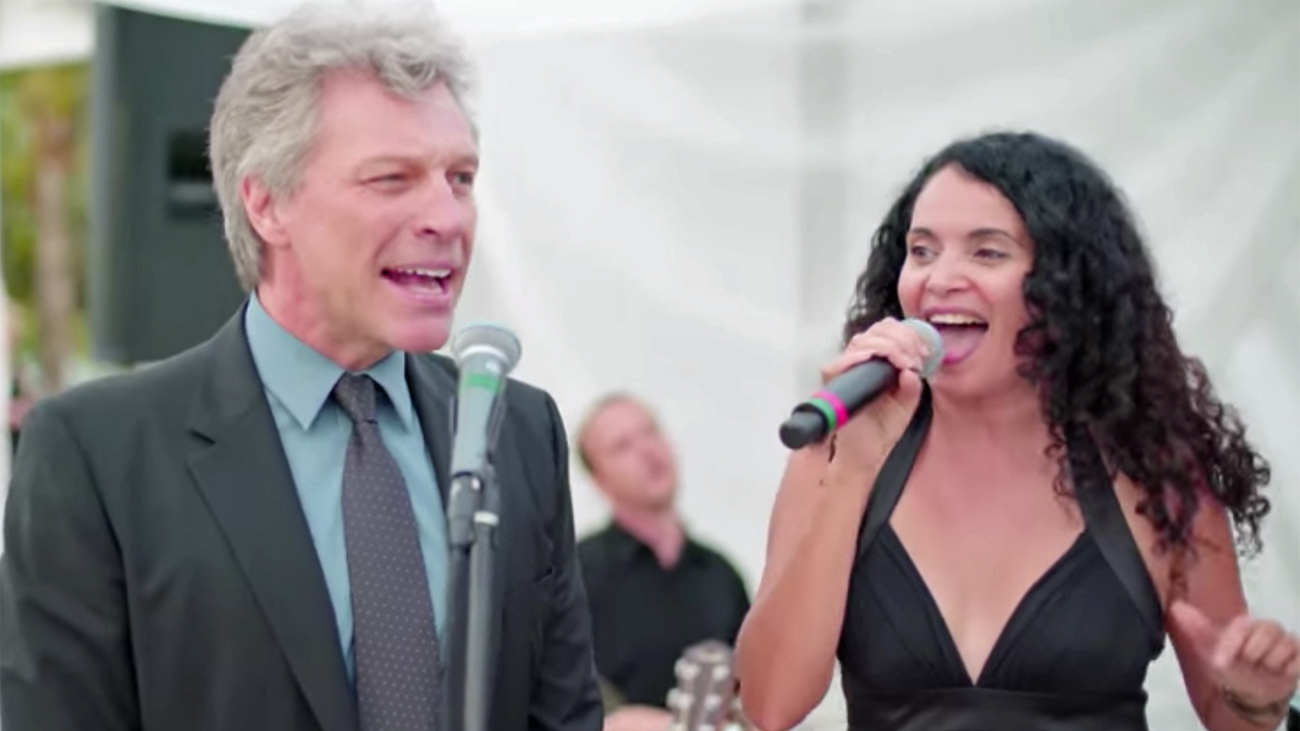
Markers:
446,212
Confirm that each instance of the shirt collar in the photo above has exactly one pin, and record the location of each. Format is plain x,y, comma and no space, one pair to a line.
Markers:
302,379
627,547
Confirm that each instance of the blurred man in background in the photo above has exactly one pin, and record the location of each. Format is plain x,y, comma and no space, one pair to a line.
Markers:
653,590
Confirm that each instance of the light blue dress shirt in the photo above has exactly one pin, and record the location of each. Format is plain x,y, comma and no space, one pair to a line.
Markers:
315,433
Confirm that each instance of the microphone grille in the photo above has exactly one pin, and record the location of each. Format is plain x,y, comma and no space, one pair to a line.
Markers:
487,336
935,340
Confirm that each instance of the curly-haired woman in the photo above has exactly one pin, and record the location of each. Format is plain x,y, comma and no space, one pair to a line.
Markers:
1008,544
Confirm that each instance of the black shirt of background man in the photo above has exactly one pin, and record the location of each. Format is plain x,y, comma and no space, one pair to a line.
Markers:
644,616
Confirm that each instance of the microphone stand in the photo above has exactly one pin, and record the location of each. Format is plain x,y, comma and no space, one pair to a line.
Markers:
473,517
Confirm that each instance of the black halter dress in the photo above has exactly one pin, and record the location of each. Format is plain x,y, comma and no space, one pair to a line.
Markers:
1072,657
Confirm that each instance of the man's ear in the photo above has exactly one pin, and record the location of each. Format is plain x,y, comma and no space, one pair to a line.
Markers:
263,213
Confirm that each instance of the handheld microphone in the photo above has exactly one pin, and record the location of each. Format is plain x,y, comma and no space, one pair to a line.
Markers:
830,408
485,354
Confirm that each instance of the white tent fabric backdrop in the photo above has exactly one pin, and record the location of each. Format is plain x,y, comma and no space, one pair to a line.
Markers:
44,31
678,195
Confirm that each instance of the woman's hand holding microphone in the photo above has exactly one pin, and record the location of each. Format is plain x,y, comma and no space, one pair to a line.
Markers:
858,448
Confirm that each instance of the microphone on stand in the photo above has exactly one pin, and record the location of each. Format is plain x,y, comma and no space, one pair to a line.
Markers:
485,354
831,407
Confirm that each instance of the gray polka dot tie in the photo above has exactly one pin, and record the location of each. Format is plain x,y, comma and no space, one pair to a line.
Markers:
395,643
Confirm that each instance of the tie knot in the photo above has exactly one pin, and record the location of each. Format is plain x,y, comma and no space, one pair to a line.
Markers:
356,395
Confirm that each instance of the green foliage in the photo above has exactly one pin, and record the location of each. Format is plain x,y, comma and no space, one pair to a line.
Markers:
26,97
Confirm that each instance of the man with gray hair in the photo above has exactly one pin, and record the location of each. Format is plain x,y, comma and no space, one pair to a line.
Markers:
251,534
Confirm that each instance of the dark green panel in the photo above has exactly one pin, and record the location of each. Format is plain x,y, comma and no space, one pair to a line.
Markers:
161,279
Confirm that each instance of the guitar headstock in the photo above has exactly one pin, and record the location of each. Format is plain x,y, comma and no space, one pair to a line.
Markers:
705,697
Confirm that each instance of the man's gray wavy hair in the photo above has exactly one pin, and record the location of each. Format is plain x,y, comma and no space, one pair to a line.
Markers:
264,119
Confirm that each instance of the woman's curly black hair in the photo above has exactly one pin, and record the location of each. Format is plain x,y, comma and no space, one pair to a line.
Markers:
1100,343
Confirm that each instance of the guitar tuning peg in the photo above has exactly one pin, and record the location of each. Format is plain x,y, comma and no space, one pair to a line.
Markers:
685,669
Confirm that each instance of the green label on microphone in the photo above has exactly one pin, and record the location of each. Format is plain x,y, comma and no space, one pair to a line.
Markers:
482,380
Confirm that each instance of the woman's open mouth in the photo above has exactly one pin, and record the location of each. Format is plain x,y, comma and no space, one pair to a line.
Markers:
961,334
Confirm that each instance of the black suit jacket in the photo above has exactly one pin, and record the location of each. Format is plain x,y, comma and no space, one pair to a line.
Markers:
158,571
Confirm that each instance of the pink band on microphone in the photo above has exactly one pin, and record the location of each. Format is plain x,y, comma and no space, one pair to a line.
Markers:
841,413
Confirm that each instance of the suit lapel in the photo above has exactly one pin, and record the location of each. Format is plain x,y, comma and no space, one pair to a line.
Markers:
432,390
244,476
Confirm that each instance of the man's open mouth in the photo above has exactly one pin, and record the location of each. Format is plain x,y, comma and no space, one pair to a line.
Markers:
432,280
